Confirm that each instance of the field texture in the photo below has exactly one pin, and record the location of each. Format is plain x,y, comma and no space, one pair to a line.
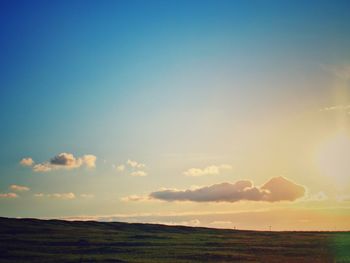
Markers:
31,240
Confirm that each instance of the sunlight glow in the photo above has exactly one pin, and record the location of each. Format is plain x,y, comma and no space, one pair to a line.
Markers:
333,158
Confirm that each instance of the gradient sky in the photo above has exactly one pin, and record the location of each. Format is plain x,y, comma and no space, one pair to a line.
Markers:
170,96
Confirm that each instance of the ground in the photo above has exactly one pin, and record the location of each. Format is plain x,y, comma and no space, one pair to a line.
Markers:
32,240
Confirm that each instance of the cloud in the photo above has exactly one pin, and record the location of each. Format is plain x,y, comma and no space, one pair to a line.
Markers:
19,188
341,71
281,189
135,198
89,160
27,161
320,196
66,161
87,196
138,173
135,164
209,170
63,196
133,168
120,168
42,167
337,108
241,190
8,195
276,189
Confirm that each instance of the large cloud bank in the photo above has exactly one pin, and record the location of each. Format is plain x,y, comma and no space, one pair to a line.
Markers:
276,189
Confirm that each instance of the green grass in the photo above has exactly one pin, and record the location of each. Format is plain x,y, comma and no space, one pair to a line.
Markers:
341,247
31,240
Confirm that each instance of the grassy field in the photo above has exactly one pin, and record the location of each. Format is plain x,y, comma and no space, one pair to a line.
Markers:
31,240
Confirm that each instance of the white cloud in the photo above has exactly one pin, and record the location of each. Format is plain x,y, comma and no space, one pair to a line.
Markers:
135,198
66,161
135,164
19,188
8,195
337,108
209,170
89,160
138,173
42,167
120,168
87,195
340,71
27,161
133,168
320,196
63,196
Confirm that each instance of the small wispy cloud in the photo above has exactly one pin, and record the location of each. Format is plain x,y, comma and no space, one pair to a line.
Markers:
63,196
138,173
19,188
62,160
337,108
135,198
135,164
27,162
340,71
87,196
120,168
42,167
320,196
209,170
133,168
8,195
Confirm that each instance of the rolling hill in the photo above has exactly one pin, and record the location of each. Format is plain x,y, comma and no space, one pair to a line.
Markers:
33,240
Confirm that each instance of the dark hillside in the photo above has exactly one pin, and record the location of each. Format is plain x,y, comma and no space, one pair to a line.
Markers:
33,240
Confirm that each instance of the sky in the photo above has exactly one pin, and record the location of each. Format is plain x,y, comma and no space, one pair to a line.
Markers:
228,114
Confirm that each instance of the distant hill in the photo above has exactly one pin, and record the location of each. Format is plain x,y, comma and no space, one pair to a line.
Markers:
33,240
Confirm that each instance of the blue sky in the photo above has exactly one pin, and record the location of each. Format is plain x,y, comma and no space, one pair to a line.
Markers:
174,85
